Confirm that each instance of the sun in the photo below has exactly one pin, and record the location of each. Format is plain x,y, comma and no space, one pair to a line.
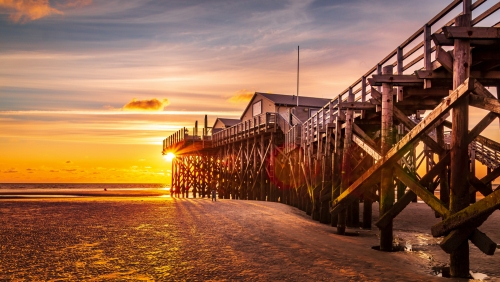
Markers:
169,156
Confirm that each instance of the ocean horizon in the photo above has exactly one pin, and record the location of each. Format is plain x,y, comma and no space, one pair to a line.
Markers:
84,186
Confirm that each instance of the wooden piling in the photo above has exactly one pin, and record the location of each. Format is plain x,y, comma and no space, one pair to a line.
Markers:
459,188
386,175
346,167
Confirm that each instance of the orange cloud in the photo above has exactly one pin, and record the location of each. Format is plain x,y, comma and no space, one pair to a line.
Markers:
241,96
23,11
74,3
146,105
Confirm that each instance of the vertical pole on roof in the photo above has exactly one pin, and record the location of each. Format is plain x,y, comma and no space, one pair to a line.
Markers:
298,63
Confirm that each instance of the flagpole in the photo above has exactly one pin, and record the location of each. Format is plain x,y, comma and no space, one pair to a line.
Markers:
298,62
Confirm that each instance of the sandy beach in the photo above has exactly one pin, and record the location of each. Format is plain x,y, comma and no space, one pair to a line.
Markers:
167,239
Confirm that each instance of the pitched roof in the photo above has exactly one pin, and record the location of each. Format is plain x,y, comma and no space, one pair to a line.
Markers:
229,121
291,100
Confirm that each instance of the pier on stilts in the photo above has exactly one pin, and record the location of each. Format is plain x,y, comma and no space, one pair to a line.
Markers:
398,133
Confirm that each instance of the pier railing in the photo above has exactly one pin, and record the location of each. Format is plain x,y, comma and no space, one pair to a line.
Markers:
254,126
175,138
412,55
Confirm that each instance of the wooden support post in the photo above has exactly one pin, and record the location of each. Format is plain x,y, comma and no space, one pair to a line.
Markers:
326,176
346,158
444,189
337,164
472,162
386,180
272,171
262,182
255,173
459,196
367,211
427,54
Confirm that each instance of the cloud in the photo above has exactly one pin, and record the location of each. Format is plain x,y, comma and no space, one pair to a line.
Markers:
23,11
68,162
146,105
241,96
74,3
12,170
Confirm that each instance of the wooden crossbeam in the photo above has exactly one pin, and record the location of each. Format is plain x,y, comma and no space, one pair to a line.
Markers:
365,137
366,147
462,32
479,185
441,40
395,79
398,150
491,176
356,105
445,59
485,103
425,138
401,204
480,126
418,92
424,194
455,238
429,74
468,215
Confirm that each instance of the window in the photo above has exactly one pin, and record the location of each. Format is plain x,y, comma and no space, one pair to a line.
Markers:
257,108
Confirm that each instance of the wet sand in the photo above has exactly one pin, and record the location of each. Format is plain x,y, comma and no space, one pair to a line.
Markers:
166,239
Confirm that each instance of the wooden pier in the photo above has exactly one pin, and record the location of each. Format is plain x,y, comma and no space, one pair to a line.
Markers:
397,133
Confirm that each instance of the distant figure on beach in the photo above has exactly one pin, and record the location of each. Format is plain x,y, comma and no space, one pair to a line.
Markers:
214,195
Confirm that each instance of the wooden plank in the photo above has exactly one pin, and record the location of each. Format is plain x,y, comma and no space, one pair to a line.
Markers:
395,79
404,144
365,137
445,59
489,104
441,40
463,32
424,194
468,215
356,105
366,147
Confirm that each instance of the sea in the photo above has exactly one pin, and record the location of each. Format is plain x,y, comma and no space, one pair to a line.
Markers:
48,190
83,186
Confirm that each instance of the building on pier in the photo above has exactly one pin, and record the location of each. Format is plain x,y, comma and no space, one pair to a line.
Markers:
399,132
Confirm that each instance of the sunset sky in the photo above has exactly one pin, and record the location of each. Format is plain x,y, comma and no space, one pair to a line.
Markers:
89,88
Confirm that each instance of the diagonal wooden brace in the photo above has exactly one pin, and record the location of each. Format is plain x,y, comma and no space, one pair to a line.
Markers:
397,151
485,103
453,240
468,215
424,194
425,138
401,204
